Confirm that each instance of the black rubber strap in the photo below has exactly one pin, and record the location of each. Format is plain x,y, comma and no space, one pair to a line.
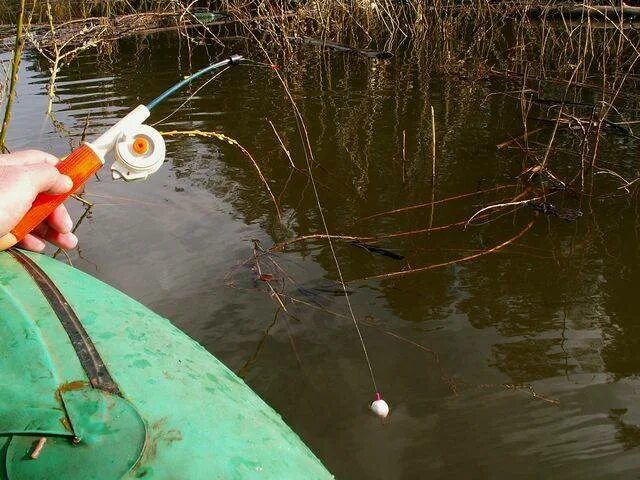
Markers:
89,358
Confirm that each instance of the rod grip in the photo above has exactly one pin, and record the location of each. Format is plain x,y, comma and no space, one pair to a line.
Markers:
80,165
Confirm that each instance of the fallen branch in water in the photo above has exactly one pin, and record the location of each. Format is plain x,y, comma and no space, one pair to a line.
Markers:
499,205
453,262
524,136
516,387
278,247
436,202
529,388
375,238
230,141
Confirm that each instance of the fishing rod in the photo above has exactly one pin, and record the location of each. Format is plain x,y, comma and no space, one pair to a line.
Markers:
138,150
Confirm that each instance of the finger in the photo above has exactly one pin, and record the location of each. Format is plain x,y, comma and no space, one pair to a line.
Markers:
66,240
19,187
28,157
46,178
60,220
33,243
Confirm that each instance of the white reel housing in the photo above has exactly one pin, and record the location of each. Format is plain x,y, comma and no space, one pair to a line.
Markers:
138,149
138,154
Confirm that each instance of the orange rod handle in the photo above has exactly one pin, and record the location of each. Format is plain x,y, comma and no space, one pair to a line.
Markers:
80,165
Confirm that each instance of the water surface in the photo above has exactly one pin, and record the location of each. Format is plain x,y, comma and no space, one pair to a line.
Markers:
457,351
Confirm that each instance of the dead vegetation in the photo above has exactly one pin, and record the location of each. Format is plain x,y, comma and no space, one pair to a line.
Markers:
572,68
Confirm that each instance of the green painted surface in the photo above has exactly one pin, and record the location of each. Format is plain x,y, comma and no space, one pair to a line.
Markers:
201,421
34,353
112,437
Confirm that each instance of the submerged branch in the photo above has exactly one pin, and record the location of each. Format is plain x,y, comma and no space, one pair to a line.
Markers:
453,262
437,202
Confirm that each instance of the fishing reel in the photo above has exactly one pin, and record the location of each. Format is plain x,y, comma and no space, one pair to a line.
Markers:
138,151
138,154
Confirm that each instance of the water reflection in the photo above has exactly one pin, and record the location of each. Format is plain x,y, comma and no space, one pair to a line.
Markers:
555,309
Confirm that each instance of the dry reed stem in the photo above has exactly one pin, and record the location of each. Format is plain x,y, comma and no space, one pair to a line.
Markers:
282,145
525,136
502,245
231,141
433,167
13,79
278,247
498,205
436,202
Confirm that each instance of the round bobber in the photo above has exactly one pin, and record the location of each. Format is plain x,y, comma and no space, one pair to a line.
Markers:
380,407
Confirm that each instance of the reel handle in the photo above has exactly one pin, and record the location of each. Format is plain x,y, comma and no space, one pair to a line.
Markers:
80,165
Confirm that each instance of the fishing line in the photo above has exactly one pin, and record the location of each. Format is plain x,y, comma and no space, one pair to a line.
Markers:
241,62
231,61
379,406
344,289
190,97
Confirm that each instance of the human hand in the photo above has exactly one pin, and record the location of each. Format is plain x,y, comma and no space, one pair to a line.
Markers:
23,175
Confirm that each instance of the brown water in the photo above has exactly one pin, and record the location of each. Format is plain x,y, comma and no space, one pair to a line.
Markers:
552,313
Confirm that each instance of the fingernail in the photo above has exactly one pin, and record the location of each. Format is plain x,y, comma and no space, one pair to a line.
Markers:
68,224
73,239
68,183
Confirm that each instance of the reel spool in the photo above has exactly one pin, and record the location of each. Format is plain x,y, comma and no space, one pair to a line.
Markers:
138,154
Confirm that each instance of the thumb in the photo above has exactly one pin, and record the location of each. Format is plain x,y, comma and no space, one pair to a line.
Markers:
46,178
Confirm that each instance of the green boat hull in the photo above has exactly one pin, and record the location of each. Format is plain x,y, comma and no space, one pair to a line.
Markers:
119,392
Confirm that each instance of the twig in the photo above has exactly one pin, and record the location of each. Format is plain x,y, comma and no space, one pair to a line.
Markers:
404,154
433,167
529,388
524,136
38,448
452,262
82,200
284,149
498,205
317,236
423,205
231,141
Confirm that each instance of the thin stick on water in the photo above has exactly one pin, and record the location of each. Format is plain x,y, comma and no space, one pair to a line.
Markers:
433,167
498,205
404,154
77,197
284,148
433,143
444,200
453,262
230,141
